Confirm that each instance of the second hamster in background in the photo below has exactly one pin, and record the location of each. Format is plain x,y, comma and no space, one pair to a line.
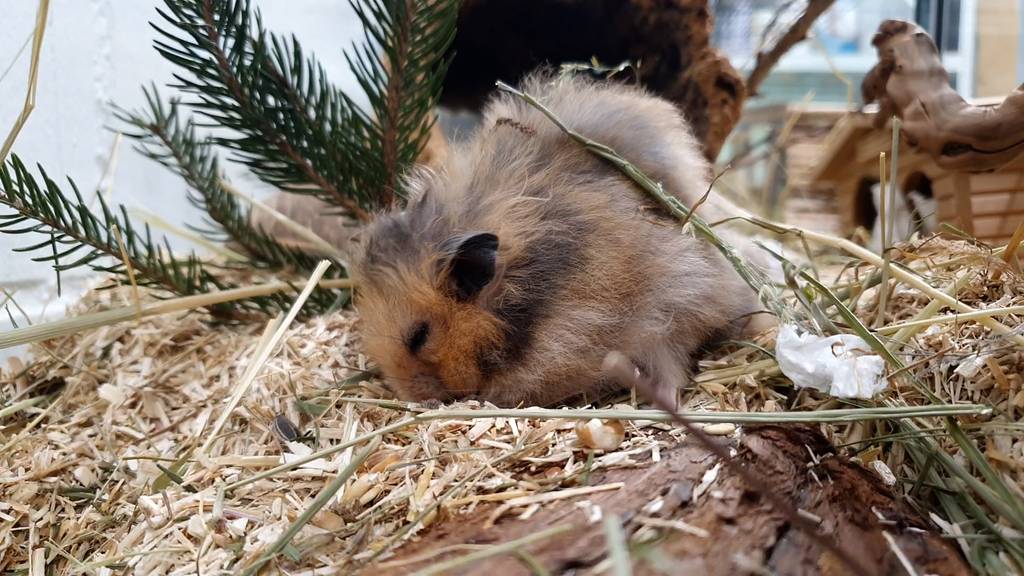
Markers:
523,260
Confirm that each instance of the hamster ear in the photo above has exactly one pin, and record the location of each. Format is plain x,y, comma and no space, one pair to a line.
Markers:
471,264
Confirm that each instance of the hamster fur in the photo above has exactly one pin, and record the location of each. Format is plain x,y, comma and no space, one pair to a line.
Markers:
524,259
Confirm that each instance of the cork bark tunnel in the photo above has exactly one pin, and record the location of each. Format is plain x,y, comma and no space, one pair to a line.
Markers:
670,39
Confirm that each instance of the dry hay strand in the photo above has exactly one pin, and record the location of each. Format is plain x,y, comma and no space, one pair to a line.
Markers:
109,474
101,468
960,360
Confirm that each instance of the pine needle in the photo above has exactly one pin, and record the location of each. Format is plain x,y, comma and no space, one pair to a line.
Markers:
163,136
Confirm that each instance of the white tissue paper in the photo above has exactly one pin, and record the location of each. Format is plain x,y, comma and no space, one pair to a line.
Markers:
842,366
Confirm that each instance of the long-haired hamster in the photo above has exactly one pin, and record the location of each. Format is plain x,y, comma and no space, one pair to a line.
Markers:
523,260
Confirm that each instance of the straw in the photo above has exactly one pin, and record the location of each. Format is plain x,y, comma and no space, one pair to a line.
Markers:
74,324
279,326
33,79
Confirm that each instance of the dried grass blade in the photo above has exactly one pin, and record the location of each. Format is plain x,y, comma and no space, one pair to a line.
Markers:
833,416
460,485
930,310
293,464
75,324
490,552
1011,249
699,417
263,354
949,318
884,230
21,405
156,221
319,502
618,550
33,79
756,278
136,299
308,234
897,272
851,319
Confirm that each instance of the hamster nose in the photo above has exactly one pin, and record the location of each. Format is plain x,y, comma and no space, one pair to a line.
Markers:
426,380
428,386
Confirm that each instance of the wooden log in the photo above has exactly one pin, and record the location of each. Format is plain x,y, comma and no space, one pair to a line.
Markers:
670,39
743,533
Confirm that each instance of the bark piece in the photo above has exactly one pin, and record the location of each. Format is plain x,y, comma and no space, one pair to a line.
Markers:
910,82
797,33
671,39
743,531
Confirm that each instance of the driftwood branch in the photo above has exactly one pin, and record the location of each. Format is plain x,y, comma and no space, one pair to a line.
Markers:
669,41
797,33
910,82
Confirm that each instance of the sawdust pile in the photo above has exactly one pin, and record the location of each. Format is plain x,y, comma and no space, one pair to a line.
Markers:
122,464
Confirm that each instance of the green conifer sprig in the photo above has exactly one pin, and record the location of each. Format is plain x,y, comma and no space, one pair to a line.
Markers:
401,67
74,236
285,114
296,130
162,135
285,121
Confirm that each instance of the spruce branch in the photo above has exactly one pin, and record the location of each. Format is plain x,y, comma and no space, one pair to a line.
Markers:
75,236
401,67
165,137
262,86
294,129
284,120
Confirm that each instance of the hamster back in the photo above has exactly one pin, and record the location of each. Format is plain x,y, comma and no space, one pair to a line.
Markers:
521,262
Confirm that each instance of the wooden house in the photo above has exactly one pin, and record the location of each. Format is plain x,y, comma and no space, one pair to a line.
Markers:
989,206
773,154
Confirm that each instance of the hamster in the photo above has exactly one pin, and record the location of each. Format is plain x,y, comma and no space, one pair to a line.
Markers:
524,259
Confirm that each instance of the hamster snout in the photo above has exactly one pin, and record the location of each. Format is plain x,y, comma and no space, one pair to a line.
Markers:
521,262
420,388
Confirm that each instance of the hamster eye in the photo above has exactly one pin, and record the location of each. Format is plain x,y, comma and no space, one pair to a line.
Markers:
418,337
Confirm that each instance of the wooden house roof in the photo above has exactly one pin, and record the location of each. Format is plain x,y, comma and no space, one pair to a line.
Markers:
853,145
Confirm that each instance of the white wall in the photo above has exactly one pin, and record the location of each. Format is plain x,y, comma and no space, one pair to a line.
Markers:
97,51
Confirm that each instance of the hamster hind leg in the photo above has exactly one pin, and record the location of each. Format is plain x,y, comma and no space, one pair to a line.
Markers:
657,369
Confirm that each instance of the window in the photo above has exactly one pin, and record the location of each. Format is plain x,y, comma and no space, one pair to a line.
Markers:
941,18
834,61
